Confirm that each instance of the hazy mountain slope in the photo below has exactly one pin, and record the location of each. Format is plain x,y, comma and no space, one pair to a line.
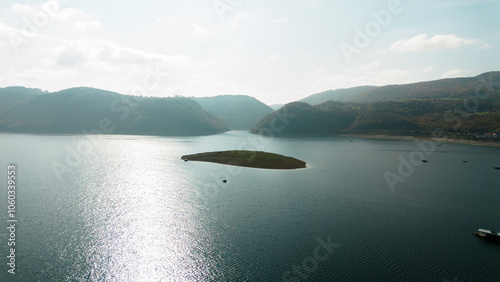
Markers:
78,109
276,106
298,118
10,96
239,112
387,117
341,95
444,88
456,105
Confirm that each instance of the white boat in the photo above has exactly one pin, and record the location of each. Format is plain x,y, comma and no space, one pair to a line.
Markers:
487,234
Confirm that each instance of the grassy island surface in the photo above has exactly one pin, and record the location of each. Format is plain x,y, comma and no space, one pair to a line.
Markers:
255,159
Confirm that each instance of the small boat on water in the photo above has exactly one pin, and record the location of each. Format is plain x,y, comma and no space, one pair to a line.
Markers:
488,235
497,167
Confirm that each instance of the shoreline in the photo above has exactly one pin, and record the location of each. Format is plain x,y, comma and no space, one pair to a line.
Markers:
412,138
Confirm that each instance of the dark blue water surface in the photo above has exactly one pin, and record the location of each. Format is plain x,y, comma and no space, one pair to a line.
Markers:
126,208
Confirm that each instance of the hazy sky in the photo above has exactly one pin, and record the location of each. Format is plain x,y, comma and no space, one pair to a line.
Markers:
276,51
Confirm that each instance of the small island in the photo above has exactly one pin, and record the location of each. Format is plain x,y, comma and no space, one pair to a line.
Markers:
255,159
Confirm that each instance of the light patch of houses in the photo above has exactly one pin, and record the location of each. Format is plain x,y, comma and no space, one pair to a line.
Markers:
486,136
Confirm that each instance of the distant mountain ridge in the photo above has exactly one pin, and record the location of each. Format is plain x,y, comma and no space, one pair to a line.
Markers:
411,117
457,106
339,95
407,107
276,106
15,94
239,112
456,88
75,110
303,119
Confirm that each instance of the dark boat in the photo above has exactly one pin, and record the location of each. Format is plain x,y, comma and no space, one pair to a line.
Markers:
488,235
497,167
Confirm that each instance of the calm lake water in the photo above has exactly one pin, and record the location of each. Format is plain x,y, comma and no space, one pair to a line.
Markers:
128,209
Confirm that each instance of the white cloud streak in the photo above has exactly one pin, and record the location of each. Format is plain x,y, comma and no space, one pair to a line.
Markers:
72,53
279,20
422,43
454,73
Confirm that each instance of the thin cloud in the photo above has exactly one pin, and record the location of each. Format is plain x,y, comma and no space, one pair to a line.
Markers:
238,45
274,57
370,74
428,69
454,73
85,26
74,53
422,43
161,20
6,33
25,10
40,15
198,30
279,20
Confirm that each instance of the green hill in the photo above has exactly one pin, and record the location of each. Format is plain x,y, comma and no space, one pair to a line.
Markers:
340,95
239,112
414,117
82,109
304,119
451,88
10,96
456,105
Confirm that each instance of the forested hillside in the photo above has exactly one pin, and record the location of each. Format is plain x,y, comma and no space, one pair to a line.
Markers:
340,95
82,109
457,106
454,88
10,96
414,117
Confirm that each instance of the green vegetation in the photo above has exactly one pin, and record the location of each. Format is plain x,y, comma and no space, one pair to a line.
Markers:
303,119
237,111
10,96
390,118
339,95
79,110
458,106
255,159
460,88
450,88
